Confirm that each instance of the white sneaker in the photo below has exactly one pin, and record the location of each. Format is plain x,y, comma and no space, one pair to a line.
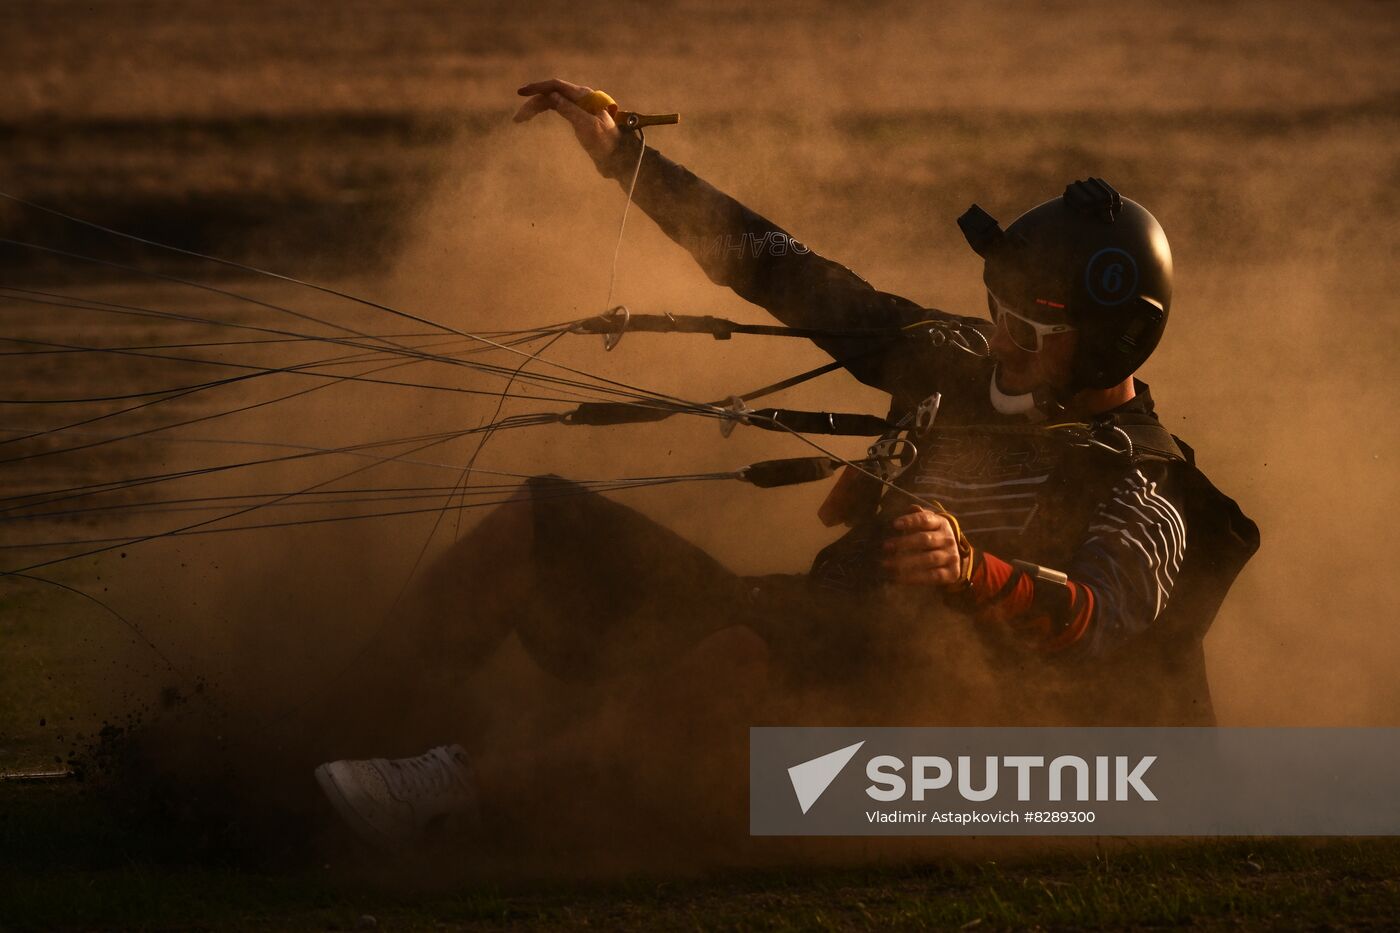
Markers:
398,802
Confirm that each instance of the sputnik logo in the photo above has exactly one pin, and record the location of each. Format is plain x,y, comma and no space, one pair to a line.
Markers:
811,778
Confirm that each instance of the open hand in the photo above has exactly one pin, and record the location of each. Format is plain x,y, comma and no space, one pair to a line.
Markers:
597,133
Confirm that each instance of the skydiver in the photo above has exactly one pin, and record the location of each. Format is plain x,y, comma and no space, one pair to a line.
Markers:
1046,506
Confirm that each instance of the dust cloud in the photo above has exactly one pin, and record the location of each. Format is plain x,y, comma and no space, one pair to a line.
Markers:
1261,136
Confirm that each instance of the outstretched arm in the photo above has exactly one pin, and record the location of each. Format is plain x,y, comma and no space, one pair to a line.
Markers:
736,247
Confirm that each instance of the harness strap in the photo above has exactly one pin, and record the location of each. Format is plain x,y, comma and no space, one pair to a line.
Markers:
1139,436
1150,440
620,320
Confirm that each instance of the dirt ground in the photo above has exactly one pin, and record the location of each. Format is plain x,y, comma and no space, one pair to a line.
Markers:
369,145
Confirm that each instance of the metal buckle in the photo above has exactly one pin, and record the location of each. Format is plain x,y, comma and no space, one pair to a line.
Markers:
927,413
962,343
892,459
944,333
1109,427
611,340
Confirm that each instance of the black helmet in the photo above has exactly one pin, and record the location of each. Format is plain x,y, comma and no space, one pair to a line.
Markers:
1101,257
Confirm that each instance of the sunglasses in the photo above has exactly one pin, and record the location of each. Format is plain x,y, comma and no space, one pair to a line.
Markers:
1025,333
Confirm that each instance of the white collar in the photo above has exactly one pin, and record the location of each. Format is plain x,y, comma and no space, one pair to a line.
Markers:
1014,404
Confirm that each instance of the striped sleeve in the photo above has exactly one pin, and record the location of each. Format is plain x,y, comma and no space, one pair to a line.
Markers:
1117,585
1131,556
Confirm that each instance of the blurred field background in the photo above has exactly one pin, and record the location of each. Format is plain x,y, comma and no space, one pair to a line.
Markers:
369,144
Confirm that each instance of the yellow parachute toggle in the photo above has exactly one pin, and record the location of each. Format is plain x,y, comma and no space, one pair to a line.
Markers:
596,102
